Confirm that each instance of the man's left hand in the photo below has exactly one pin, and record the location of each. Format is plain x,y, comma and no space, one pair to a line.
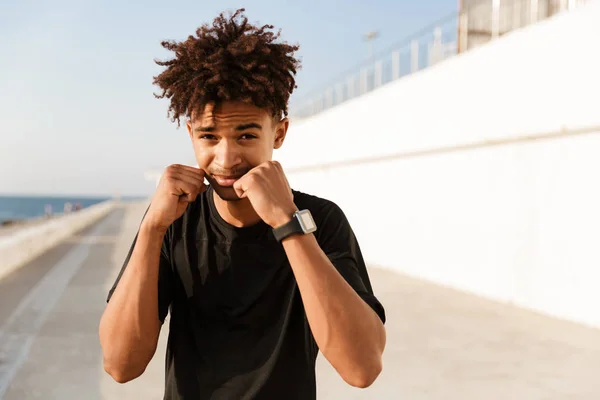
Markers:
269,192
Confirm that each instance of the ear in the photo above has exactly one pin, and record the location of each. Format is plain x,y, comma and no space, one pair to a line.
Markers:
280,132
188,125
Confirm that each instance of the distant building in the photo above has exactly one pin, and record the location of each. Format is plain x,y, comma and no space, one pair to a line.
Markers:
482,20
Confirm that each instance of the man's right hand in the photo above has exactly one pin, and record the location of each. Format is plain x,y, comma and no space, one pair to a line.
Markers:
179,185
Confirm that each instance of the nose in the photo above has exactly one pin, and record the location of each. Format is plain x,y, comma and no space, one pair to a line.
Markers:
227,154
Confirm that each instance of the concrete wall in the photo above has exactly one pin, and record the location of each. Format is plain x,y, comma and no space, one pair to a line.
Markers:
479,173
27,243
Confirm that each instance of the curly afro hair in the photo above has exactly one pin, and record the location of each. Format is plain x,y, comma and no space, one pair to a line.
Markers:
230,60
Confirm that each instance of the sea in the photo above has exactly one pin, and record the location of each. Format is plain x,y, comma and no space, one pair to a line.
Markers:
13,208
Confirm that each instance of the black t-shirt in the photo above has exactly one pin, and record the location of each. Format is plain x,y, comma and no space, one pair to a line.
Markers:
238,328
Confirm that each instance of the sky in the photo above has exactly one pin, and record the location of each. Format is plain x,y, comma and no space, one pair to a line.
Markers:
77,111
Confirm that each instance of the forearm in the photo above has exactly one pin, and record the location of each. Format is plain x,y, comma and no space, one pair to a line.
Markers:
348,332
130,325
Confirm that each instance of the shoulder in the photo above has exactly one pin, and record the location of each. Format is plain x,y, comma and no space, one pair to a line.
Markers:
323,210
310,201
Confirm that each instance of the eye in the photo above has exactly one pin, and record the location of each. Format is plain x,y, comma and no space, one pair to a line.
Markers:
248,136
208,136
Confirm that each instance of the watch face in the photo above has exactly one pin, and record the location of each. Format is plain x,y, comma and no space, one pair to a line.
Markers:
307,222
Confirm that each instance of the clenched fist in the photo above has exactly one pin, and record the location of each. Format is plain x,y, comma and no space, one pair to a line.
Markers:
178,186
269,192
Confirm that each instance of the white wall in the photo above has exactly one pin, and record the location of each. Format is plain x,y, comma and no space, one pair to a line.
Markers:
540,79
516,222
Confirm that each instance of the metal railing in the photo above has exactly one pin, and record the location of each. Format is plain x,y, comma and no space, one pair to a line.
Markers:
473,26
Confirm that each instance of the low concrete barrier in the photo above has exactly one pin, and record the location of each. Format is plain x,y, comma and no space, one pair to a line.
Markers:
27,243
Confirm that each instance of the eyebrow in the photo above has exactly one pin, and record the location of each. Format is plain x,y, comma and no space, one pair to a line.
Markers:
241,127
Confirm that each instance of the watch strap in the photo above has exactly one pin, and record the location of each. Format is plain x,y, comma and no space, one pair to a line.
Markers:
287,229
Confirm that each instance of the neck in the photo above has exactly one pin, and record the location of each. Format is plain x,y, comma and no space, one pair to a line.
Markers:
236,213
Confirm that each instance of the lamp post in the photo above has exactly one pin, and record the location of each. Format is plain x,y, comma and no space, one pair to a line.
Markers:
369,37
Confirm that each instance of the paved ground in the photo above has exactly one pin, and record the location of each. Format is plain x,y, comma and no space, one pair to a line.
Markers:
441,344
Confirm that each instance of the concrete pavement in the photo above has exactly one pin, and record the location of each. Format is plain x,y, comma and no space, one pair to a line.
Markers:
442,344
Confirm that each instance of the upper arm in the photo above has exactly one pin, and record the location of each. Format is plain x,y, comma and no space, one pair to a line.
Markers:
165,277
337,240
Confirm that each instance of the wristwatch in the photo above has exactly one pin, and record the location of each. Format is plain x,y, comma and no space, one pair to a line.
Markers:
302,222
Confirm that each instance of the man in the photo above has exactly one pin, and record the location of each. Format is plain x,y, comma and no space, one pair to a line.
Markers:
257,278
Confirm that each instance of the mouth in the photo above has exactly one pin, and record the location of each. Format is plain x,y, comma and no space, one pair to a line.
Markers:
225,181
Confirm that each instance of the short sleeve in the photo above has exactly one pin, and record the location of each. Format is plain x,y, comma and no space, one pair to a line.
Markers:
165,277
338,242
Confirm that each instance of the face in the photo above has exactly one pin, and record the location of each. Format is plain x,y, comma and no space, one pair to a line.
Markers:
232,138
